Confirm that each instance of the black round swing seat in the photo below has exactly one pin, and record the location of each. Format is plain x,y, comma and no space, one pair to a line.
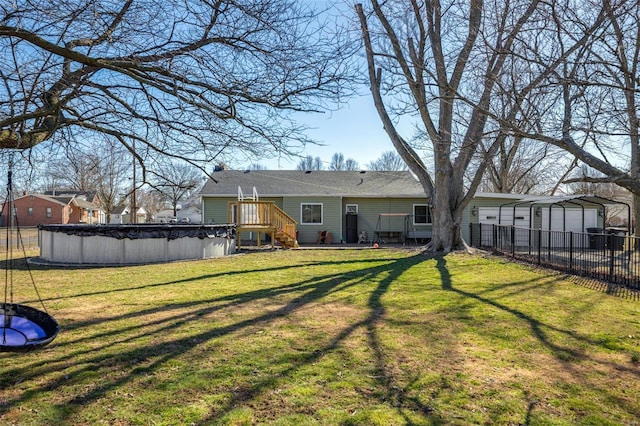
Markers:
23,328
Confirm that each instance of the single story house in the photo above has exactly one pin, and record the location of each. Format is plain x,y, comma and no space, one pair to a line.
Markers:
121,215
85,199
389,206
40,209
333,206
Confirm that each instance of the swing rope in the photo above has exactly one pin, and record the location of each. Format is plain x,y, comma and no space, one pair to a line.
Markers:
8,272
12,219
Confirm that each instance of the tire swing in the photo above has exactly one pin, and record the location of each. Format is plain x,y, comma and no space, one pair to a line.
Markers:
22,328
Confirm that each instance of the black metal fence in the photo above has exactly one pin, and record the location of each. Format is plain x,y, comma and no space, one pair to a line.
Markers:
609,255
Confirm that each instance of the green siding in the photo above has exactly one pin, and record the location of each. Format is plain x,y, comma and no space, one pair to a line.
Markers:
334,212
369,210
331,217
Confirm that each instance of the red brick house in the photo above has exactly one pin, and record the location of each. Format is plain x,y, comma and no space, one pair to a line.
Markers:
36,209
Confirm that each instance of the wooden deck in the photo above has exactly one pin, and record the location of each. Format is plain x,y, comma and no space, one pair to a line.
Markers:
263,217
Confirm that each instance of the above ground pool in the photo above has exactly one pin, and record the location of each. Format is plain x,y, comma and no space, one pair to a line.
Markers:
133,243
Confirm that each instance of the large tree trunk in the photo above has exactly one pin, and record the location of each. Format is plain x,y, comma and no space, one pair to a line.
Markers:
446,226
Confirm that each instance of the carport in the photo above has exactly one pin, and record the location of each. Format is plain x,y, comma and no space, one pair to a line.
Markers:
558,213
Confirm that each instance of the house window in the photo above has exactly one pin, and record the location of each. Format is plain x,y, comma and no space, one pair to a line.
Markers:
352,209
421,214
29,211
311,213
48,212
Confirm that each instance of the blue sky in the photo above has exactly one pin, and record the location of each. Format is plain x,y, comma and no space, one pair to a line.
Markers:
355,130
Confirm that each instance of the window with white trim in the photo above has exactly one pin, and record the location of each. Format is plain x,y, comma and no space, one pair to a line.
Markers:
421,214
311,213
48,214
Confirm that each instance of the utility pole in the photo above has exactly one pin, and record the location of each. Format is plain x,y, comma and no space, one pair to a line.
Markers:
134,208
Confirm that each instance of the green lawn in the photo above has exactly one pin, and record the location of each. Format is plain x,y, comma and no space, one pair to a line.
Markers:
354,337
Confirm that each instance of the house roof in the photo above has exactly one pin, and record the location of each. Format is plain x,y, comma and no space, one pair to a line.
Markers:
63,201
574,199
84,204
86,195
271,183
120,210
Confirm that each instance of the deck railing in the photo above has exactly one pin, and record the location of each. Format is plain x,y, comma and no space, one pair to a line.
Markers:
261,215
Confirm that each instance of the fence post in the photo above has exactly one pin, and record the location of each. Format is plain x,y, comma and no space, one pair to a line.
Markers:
494,235
539,246
610,241
513,241
571,251
471,234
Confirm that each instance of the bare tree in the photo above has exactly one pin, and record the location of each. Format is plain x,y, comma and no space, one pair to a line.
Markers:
524,167
113,172
195,81
449,64
388,161
351,165
599,121
176,182
77,170
103,169
310,163
151,200
339,163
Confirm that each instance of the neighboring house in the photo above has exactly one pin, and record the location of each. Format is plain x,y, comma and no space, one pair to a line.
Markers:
122,214
37,209
344,203
165,216
190,212
118,215
90,201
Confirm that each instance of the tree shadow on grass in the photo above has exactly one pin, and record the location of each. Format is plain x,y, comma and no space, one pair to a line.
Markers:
158,352
145,343
566,355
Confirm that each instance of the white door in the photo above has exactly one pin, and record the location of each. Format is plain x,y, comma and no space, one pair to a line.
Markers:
569,219
505,217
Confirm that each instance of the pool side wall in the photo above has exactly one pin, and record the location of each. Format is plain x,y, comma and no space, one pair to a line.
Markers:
58,247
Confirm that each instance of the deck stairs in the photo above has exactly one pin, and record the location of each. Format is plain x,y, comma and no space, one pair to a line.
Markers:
252,215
